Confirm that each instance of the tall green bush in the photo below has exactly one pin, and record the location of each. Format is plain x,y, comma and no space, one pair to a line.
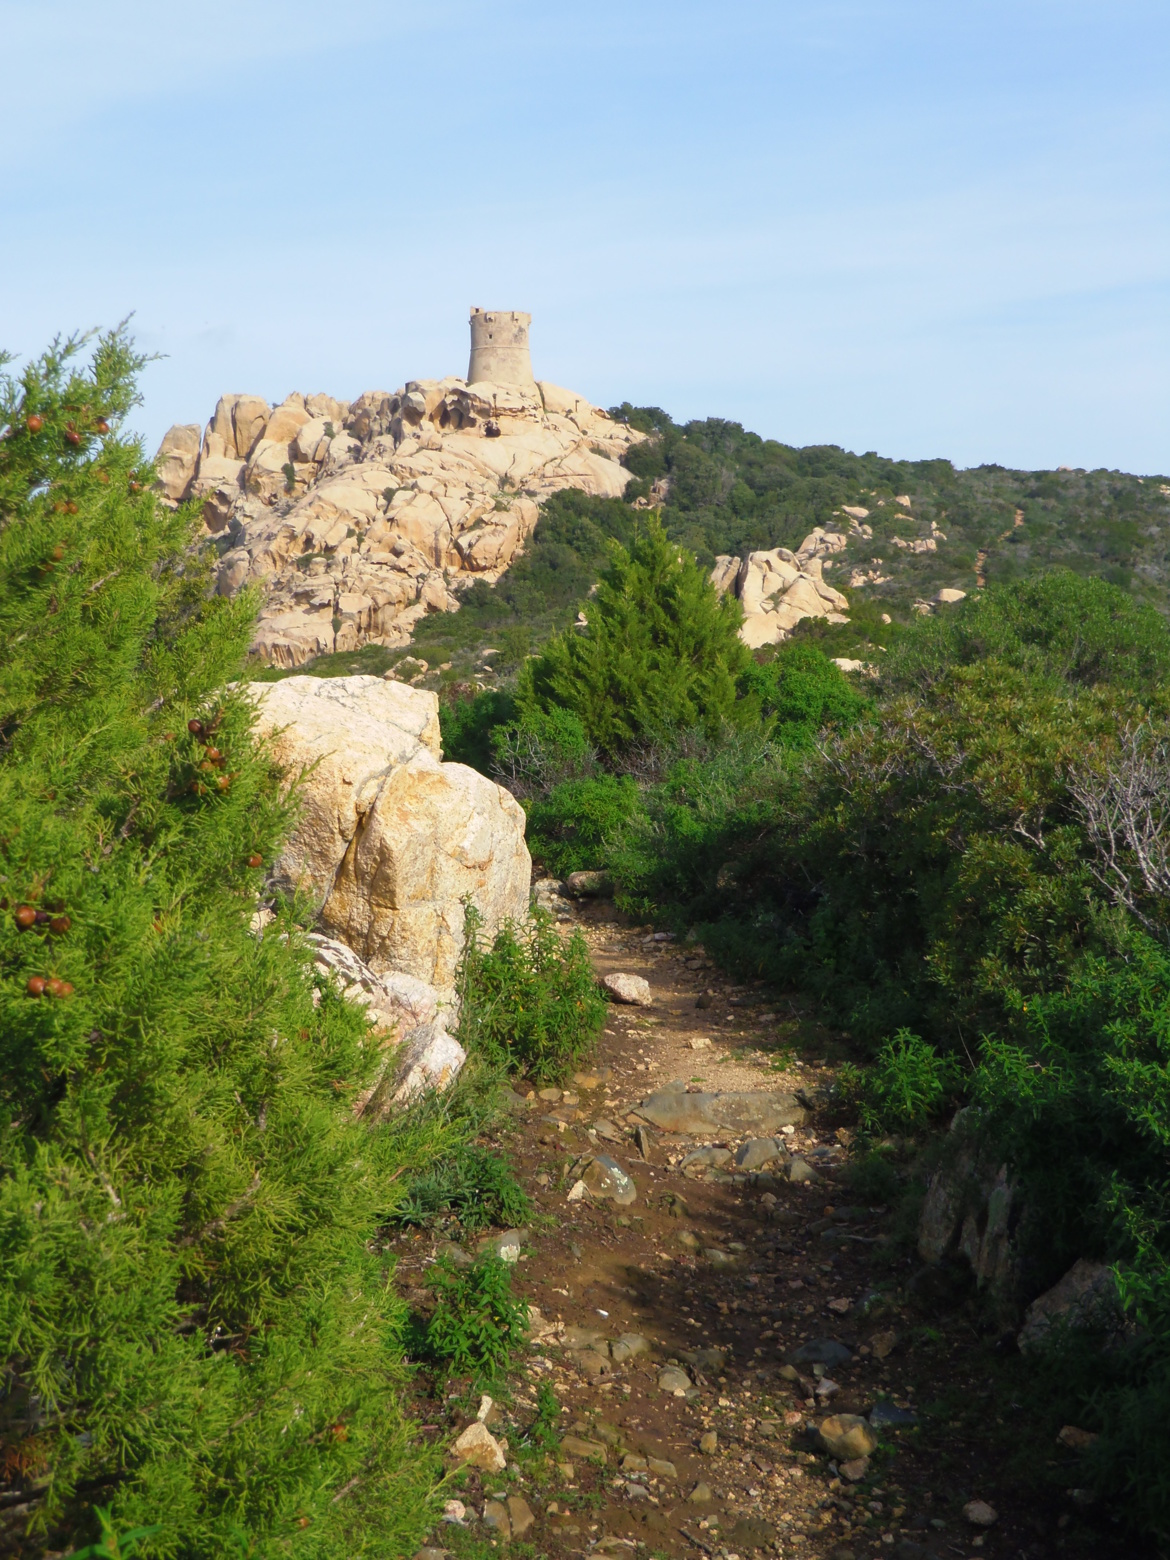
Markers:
195,1327
661,650
574,827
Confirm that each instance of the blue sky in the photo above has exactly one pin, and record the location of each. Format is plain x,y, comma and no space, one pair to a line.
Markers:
917,226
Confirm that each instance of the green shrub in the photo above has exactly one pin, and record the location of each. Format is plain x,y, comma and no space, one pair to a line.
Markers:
112,1545
195,1328
570,829
541,749
529,1003
467,726
542,1434
904,1087
1058,627
477,1323
661,650
800,692
474,1185
873,1179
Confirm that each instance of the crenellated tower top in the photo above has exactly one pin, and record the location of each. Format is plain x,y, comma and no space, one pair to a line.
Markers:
499,347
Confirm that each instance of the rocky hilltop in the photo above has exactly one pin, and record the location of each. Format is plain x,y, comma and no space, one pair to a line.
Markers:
357,518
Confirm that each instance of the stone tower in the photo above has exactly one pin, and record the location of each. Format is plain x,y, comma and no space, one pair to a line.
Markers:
499,348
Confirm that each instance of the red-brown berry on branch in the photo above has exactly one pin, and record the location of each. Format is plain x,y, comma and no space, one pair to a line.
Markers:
34,424
71,434
36,986
195,727
59,925
26,916
102,425
59,988
255,860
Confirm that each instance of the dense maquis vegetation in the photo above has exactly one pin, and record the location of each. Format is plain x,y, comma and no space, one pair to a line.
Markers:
729,491
968,864
966,861
194,1323
199,1340
726,491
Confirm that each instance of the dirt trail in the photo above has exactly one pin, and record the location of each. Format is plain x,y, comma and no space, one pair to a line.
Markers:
754,1266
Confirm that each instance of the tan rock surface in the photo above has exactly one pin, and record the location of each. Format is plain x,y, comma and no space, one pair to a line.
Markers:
437,833
405,498
390,841
778,588
177,457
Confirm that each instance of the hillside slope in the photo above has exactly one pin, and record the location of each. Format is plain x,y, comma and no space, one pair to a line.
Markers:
916,527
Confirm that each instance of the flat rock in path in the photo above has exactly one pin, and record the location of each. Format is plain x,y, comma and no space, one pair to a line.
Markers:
706,1359
604,1178
631,989
608,1130
760,1151
628,1346
752,1533
820,1351
980,1514
583,1338
709,1154
577,1446
674,1379
520,1514
846,1436
743,1113
495,1517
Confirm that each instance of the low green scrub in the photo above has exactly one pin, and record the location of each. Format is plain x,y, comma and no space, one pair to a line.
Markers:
529,1003
905,1087
478,1323
541,748
572,827
474,1186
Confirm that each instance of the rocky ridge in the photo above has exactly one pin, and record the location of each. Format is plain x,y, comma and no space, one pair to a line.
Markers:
779,587
357,518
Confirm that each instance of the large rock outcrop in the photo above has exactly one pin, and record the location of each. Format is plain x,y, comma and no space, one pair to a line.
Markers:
356,518
390,842
778,588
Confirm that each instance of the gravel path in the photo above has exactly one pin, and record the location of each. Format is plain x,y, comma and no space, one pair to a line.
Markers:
724,1277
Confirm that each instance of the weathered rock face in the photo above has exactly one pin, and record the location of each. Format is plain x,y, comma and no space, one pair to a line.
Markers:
1085,1299
357,518
778,588
417,1053
389,840
970,1210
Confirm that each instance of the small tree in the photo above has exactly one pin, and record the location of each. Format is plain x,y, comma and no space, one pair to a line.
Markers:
195,1327
661,650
